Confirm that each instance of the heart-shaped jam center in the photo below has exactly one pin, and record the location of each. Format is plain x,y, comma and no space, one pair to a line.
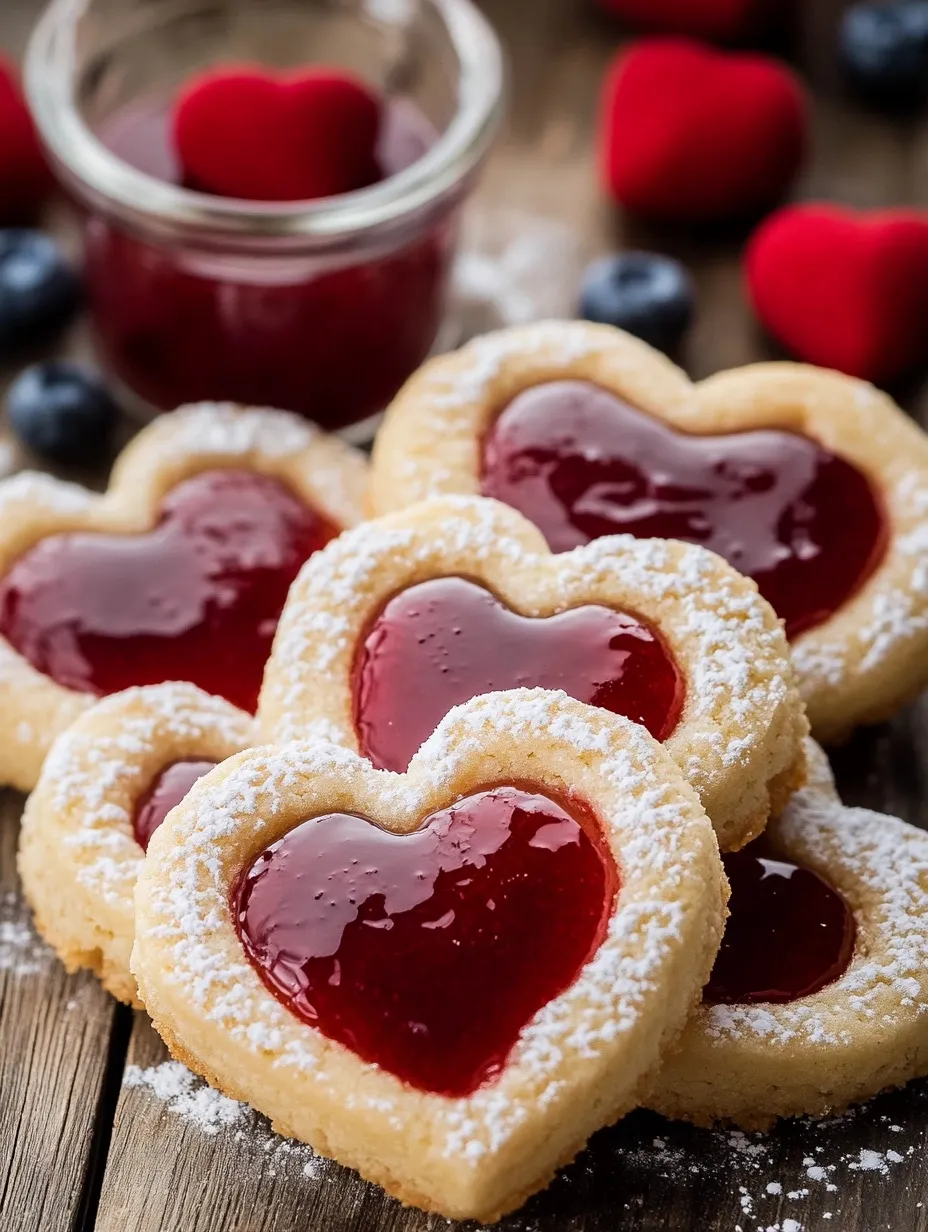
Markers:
165,793
197,598
442,642
427,953
580,463
789,933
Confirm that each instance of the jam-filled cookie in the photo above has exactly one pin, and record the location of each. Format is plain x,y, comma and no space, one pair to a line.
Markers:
814,484
178,572
449,978
819,995
106,785
407,616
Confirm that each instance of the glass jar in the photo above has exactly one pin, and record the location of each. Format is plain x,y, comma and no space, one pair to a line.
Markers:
322,307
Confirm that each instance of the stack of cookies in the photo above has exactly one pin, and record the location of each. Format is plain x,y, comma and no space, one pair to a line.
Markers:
447,810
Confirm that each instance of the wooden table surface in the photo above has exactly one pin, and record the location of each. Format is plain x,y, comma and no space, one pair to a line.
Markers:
80,1149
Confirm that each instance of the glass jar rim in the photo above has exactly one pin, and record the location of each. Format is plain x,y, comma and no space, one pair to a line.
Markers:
131,194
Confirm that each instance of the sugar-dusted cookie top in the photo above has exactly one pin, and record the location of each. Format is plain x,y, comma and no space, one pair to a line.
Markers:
813,483
819,995
406,616
178,571
446,978
108,782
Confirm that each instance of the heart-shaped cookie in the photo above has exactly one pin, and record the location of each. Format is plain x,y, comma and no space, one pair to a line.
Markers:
242,133
179,571
516,797
814,482
106,785
845,289
819,996
397,622
691,134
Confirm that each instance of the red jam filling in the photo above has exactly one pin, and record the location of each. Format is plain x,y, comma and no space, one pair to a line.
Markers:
197,598
177,326
580,463
167,791
442,642
789,933
428,953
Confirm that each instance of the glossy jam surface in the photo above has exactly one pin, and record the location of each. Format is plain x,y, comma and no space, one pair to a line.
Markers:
197,598
331,337
167,791
580,463
789,933
427,953
442,642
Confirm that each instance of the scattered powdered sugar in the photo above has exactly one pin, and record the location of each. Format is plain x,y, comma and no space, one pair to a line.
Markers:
193,950
212,1113
22,951
735,656
29,491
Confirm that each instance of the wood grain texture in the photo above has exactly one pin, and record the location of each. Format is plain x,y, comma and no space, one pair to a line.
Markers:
54,1050
163,1173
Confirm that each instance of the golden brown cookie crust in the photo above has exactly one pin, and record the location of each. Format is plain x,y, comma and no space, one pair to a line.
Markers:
576,1065
857,667
739,740
864,1033
326,473
78,857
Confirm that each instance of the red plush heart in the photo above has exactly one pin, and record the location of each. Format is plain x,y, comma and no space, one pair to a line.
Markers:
710,19
197,598
427,953
694,134
240,133
25,178
843,289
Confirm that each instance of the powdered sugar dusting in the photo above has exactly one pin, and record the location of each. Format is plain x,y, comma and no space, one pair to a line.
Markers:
186,897
22,951
31,489
736,659
224,429
88,762
888,861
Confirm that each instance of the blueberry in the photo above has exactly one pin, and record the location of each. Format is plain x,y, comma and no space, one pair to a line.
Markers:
884,50
62,411
648,295
39,291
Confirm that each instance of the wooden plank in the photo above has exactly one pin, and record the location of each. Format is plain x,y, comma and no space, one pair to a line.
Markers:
55,1039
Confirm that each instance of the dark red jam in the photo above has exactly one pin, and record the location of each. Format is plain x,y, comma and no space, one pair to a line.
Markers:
197,598
165,793
580,463
331,337
442,642
428,953
789,932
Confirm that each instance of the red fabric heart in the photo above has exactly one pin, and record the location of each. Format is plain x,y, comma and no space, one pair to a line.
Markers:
691,134
843,289
240,133
25,177
710,19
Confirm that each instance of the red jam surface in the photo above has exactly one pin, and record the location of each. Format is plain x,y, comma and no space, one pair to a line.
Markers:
442,642
580,463
167,791
428,953
331,339
197,598
789,933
